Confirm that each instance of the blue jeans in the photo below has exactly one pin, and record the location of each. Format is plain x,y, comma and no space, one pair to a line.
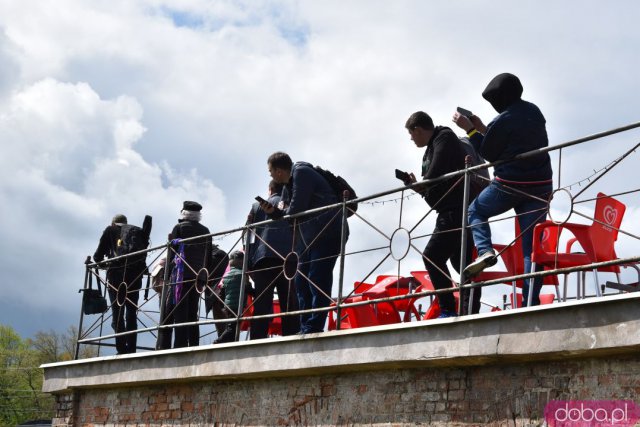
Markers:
498,198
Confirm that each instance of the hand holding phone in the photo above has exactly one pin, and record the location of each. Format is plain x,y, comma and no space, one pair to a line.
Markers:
403,176
465,112
264,205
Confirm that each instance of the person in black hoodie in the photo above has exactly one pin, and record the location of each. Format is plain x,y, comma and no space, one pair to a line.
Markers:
523,185
196,264
444,154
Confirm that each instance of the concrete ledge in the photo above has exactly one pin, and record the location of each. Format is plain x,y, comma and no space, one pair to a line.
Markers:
595,327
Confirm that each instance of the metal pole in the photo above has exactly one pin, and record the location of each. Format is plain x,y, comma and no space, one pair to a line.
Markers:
463,243
163,293
87,273
243,283
343,243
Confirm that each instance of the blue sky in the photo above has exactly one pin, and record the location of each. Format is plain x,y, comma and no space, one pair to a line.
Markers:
134,107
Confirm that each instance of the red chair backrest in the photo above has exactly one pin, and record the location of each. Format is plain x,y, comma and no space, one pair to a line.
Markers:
604,230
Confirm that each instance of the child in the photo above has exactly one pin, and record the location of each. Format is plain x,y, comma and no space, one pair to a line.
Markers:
231,287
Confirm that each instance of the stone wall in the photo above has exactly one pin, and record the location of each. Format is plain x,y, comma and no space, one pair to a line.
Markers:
488,369
513,394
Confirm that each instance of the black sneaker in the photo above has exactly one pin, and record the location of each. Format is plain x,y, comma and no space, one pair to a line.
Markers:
484,261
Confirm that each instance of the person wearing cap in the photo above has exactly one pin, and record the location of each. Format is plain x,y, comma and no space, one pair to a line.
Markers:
318,236
190,259
123,317
231,284
524,185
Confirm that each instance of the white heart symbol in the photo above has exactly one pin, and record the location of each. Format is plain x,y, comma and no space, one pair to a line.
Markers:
610,215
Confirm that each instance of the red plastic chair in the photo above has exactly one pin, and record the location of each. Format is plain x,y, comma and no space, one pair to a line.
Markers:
391,286
275,325
245,324
513,260
361,287
353,317
597,241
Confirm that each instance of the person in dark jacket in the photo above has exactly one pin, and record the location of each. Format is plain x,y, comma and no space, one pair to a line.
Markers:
124,278
190,262
444,154
523,185
271,243
317,235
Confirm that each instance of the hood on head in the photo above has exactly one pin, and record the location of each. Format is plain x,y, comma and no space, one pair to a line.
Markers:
502,91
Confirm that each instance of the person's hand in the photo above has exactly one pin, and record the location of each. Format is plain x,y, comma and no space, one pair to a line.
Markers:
267,207
478,125
412,179
463,122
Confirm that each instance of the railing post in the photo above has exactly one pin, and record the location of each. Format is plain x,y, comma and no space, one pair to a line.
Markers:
86,281
463,244
243,283
163,292
343,243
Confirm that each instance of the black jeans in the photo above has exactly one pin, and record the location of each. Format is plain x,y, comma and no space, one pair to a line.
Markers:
124,317
268,275
445,244
186,310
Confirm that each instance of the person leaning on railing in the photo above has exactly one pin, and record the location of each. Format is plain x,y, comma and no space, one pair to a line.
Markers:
524,185
443,154
317,236
267,250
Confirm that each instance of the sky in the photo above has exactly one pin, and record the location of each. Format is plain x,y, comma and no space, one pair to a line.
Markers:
132,107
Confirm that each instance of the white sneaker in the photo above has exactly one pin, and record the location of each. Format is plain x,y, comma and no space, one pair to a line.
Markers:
485,260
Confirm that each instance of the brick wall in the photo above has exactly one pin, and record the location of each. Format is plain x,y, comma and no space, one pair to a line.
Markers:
499,395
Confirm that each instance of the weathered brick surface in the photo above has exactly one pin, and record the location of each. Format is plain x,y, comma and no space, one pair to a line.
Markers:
497,395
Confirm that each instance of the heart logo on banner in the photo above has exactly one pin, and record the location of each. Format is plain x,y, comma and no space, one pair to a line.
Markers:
610,215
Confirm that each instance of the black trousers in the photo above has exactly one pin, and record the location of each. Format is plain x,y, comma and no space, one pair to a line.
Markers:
124,317
267,276
164,335
445,244
186,310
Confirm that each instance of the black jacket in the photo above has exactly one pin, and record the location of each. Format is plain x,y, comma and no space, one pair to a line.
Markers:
444,154
197,252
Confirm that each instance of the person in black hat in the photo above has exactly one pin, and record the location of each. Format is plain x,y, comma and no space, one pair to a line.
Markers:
190,263
524,185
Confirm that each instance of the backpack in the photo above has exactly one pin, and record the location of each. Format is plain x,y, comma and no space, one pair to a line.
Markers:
132,239
339,185
480,178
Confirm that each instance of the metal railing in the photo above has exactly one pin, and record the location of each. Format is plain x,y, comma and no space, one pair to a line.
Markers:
153,319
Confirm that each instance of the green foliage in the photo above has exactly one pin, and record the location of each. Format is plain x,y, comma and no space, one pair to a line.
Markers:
21,398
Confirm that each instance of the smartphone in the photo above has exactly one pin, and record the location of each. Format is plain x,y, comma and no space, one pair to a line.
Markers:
403,176
465,112
260,199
